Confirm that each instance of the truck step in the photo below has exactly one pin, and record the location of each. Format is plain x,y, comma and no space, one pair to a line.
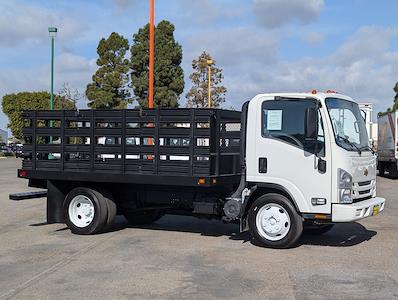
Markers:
27,195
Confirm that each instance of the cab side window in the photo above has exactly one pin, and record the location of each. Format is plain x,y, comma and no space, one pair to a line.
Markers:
284,120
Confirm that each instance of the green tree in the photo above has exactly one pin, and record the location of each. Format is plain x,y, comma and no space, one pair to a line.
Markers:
168,74
14,104
198,94
395,107
109,88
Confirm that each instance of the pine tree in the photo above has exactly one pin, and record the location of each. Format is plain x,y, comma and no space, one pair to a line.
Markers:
198,94
168,74
109,88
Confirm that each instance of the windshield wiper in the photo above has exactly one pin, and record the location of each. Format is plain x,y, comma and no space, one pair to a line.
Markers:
367,147
351,144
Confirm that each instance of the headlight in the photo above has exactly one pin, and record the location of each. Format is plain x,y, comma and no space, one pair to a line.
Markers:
345,180
345,187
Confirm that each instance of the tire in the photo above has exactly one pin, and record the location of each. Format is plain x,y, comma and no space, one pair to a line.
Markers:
317,229
284,225
393,171
112,209
381,170
143,217
90,218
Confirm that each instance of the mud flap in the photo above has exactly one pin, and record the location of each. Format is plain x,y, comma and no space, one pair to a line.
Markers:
55,200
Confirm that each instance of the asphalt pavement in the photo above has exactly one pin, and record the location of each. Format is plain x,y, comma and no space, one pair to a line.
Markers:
185,258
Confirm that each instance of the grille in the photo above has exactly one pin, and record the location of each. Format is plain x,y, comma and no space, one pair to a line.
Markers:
363,183
364,192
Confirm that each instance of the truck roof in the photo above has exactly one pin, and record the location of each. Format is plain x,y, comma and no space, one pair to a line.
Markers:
320,96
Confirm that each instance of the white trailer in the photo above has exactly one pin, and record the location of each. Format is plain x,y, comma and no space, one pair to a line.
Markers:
387,153
371,128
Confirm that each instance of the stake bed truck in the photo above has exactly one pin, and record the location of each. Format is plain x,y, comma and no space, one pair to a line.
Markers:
387,145
286,163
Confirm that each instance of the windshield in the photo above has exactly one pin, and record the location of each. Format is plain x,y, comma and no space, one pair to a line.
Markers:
348,125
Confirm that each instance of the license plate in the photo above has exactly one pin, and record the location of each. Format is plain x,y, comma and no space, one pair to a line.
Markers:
376,210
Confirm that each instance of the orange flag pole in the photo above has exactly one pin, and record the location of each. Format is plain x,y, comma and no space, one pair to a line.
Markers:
151,52
151,60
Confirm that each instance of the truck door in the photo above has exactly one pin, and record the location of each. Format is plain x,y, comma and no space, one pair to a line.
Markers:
287,159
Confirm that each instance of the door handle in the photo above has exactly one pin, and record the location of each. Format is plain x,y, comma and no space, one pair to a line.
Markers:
262,165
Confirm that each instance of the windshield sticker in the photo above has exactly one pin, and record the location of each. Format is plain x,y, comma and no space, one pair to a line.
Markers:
274,120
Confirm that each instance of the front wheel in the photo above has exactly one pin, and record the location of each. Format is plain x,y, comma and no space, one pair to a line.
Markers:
274,222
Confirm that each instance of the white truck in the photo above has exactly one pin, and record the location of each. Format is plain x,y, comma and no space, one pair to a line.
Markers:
287,162
387,148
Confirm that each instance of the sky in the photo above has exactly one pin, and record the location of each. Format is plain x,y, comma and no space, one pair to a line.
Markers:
262,45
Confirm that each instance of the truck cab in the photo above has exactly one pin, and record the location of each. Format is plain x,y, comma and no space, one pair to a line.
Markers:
313,149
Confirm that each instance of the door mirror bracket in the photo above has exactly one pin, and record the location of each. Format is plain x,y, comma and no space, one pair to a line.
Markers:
321,165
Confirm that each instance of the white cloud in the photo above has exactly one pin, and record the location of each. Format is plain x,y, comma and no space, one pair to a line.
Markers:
240,52
21,23
363,66
314,38
69,68
68,62
74,69
125,4
368,42
235,47
358,68
276,13
206,12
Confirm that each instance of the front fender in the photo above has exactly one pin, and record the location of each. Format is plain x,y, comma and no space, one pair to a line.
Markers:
287,187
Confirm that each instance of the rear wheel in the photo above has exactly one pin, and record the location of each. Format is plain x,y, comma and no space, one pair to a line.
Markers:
112,209
142,217
86,211
274,222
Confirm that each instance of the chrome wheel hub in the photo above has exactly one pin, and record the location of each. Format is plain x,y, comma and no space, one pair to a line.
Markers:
81,211
273,222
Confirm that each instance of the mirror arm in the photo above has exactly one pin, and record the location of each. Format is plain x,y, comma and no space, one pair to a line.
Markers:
317,155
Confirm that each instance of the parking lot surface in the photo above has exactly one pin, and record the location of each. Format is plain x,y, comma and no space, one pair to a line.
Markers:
186,258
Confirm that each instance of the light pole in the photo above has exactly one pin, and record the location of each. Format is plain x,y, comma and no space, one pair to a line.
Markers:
52,31
209,64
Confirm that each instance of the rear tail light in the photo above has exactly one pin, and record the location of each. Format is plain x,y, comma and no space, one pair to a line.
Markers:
23,174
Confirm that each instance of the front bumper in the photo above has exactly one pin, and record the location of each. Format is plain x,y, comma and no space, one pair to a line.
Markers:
356,211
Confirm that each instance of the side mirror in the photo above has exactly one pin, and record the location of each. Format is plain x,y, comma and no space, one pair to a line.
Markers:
311,123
